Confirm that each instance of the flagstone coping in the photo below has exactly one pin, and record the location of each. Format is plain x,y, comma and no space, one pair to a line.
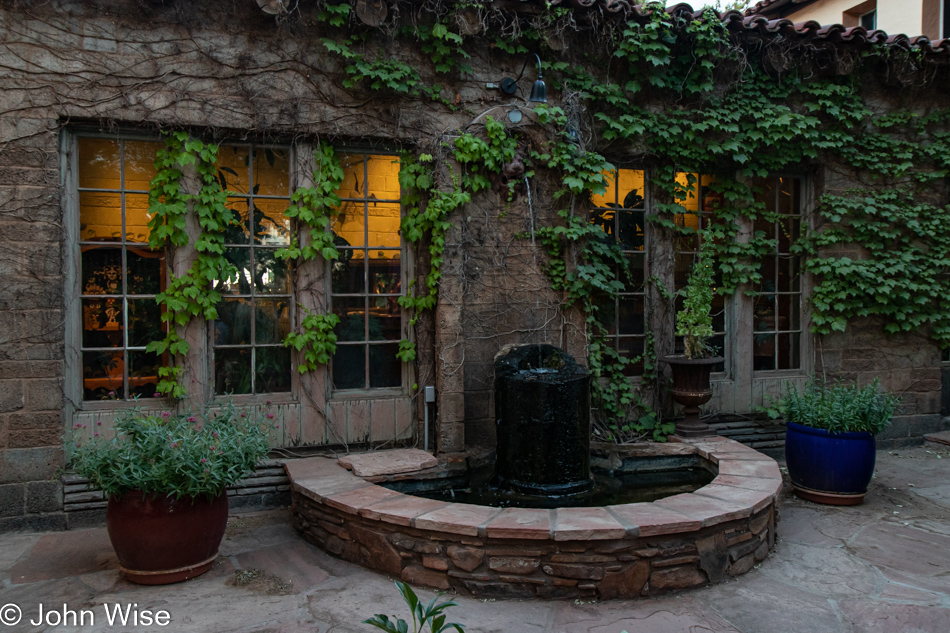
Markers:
747,482
392,462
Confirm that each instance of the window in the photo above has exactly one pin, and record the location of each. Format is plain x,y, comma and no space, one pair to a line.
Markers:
945,19
761,337
699,201
254,315
777,308
366,279
119,275
620,212
869,20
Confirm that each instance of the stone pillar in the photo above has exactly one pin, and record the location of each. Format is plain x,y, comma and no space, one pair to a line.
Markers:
311,293
662,314
450,347
450,368
196,374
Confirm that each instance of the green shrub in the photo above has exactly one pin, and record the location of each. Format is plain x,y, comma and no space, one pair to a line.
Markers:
838,408
177,454
694,320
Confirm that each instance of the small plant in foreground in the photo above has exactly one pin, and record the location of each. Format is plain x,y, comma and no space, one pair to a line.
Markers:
430,614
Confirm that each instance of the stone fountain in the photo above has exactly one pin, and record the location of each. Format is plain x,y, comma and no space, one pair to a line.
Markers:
542,416
538,529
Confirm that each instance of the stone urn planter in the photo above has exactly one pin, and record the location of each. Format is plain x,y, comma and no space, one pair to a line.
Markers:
160,539
691,389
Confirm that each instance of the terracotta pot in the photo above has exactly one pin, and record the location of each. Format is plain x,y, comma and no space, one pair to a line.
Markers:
160,540
691,389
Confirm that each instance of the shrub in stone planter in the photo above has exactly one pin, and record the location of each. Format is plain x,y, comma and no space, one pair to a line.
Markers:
692,368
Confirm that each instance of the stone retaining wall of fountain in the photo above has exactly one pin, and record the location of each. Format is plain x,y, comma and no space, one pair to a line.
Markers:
623,551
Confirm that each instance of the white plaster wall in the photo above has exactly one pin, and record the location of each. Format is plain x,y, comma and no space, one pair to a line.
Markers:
900,16
828,11
893,16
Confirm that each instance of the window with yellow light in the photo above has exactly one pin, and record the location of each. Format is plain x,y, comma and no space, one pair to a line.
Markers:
367,279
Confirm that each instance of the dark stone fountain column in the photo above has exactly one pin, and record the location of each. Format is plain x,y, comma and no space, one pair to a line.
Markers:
542,412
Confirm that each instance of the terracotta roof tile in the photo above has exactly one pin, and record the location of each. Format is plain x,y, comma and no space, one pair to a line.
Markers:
751,22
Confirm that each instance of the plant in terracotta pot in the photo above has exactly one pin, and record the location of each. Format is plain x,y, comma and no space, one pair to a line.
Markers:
830,446
691,369
165,475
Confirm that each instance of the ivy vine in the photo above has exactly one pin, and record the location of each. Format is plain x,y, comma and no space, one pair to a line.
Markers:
313,208
679,95
190,294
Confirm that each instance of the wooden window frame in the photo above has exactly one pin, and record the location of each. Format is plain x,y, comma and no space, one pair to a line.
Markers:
360,393
253,296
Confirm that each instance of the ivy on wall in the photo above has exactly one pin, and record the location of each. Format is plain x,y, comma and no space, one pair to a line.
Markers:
313,208
190,294
684,93
681,95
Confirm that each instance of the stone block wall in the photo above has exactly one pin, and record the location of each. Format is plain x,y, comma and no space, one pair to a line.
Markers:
31,321
507,298
526,568
907,363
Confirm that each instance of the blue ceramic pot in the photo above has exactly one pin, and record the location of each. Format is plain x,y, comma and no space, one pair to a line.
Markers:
828,467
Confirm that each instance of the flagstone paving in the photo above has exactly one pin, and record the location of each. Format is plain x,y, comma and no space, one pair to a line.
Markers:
882,567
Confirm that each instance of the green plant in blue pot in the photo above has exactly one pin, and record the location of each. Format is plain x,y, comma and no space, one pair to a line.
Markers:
830,446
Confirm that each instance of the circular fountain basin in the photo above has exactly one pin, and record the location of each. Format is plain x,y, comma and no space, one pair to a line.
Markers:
618,551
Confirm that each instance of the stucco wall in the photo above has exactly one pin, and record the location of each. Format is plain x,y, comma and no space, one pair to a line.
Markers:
893,16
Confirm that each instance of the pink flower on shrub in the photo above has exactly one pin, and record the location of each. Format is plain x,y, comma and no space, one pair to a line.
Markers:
192,418
268,402
270,416
174,444
243,415
166,414
204,461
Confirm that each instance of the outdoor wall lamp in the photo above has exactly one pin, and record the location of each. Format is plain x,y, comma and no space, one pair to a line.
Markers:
539,93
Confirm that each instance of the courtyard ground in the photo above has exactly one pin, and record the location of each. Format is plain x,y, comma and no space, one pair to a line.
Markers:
882,566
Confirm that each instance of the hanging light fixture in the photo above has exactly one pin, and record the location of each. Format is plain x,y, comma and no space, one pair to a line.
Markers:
539,93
